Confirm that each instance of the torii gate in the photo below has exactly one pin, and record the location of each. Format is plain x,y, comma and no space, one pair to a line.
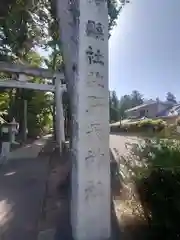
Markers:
22,82
84,36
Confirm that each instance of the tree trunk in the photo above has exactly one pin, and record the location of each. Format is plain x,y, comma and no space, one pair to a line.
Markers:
69,49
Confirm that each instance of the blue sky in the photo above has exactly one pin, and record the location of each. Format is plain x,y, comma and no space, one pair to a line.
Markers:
144,49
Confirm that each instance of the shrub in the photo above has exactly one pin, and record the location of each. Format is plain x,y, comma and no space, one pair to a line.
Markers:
170,131
178,122
147,125
131,127
155,125
140,126
159,186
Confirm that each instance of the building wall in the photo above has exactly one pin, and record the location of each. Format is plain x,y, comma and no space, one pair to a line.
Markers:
150,110
162,107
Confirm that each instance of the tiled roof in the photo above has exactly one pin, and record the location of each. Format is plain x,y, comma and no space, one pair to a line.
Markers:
141,106
148,103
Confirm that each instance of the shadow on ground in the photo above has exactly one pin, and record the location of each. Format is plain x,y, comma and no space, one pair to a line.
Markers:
21,190
61,167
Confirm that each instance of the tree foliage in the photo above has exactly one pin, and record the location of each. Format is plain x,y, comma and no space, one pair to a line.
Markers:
114,8
113,106
118,107
171,98
24,26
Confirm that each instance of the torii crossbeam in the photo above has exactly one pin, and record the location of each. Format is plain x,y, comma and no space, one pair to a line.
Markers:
22,82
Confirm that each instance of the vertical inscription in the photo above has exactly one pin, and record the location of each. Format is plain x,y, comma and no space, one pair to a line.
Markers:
97,2
93,189
94,102
95,79
93,146
95,131
94,158
94,57
95,30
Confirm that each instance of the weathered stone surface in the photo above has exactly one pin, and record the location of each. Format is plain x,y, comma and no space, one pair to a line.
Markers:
86,67
90,209
47,235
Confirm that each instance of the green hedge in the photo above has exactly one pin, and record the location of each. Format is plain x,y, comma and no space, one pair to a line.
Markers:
170,131
158,184
158,124
178,122
140,126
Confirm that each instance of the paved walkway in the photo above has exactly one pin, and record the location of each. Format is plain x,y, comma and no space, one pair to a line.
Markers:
21,190
30,150
118,144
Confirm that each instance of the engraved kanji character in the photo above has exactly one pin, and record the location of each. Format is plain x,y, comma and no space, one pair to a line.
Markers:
90,27
99,29
90,55
98,2
98,58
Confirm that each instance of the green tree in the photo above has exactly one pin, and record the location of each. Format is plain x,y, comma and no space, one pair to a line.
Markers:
170,97
129,101
114,107
114,9
24,25
124,104
136,98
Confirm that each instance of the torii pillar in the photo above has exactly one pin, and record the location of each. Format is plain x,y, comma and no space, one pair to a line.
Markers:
59,90
91,193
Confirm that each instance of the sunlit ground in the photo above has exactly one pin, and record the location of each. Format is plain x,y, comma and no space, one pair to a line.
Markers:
6,213
9,174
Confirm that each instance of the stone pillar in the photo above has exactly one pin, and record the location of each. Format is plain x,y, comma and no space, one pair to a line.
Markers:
90,206
84,35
